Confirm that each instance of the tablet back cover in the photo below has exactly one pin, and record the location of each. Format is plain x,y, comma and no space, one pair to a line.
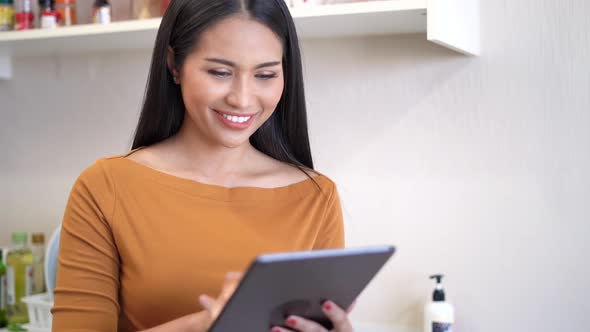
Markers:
279,285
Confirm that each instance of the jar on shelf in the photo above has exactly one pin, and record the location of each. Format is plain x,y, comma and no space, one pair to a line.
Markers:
6,15
66,10
48,14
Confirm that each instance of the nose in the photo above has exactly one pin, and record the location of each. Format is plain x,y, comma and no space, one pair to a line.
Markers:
240,96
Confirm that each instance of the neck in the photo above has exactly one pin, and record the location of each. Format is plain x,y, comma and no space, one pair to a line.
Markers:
213,163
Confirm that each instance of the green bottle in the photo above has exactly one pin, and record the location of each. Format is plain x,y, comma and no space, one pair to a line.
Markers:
19,268
3,320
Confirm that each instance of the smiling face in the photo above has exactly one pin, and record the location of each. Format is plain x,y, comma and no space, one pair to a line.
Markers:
232,82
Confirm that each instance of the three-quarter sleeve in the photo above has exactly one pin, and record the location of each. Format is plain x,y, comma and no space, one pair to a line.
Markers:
87,287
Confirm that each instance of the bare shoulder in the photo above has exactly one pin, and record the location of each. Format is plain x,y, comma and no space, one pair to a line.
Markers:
148,156
294,174
278,173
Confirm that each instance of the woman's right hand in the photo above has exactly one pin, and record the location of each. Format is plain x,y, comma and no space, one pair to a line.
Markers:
213,306
202,320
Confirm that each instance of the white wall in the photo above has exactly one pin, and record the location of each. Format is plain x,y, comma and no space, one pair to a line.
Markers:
474,167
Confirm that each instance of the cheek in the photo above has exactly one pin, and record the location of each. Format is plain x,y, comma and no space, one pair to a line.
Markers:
198,92
272,95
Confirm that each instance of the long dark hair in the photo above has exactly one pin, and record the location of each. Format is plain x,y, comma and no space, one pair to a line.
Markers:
284,136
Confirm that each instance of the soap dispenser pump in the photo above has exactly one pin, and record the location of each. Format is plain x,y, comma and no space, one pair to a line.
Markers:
438,314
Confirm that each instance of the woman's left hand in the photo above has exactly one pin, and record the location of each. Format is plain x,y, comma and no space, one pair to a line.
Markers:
337,315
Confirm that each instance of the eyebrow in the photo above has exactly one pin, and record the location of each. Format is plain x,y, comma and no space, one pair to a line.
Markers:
232,64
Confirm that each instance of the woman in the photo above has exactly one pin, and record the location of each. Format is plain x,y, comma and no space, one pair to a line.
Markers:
220,171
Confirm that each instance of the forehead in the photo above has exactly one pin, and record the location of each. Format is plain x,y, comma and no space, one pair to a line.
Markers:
241,40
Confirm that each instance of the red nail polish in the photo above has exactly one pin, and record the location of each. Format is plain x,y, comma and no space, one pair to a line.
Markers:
292,322
327,306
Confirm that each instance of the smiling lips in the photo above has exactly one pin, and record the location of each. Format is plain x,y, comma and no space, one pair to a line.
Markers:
235,120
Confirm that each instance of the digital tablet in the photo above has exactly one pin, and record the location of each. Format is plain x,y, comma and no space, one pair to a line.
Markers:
297,283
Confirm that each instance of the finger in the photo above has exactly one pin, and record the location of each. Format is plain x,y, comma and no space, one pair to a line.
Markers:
213,306
338,316
234,275
210,305
206,301
230,283
304,325
232,280
227,292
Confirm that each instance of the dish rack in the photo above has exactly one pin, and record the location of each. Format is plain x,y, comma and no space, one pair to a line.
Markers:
39,308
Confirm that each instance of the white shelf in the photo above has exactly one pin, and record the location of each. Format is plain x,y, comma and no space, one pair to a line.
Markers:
88,38
451,23
361,19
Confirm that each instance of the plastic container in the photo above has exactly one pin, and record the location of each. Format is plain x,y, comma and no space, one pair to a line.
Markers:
36,329
39,308
51,255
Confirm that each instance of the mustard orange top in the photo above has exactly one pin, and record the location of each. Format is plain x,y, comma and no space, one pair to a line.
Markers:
139,246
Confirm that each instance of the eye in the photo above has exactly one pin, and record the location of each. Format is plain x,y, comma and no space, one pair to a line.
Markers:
218,73
266,76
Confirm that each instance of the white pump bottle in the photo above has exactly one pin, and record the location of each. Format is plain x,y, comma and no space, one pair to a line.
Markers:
438,314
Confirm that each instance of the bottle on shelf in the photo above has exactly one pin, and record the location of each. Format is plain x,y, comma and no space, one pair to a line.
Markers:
38,249
101,12
3,320
66,10
19,275
24,19
6,15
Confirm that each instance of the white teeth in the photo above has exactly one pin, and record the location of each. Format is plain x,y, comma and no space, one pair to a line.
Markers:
237,119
